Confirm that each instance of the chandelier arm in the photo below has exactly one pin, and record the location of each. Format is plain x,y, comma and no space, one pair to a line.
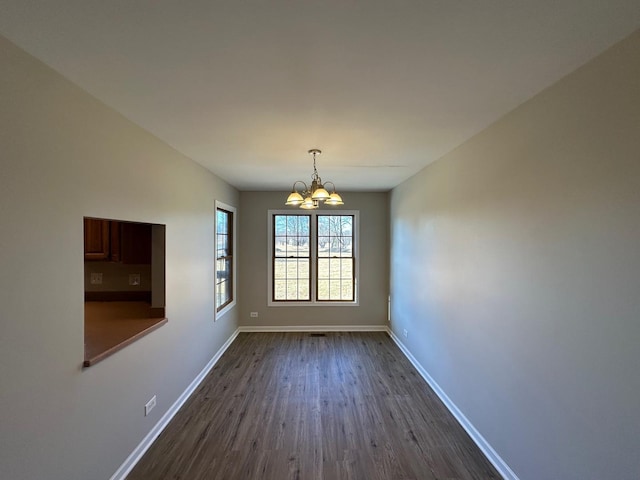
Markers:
333,185
293,189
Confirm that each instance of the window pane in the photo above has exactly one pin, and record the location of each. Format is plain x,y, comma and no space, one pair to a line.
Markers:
323,268
224,258
280,225
323,289
222,292
223,278
334,268
347,290
323,246
222,241
303,225
280,290
303,269
334,222
304,294
323,225
222,221
335,257
280,269
292,289
280,246
346,268
291,279
334,289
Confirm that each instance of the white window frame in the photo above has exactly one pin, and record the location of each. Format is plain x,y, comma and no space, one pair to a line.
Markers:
234,277
313,259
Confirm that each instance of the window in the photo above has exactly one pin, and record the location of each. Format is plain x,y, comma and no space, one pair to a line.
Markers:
291,257
335,258
312,258
225,260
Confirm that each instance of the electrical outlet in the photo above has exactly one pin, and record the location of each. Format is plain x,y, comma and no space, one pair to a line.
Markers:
254,314
134,279
405,333
96,279
149,405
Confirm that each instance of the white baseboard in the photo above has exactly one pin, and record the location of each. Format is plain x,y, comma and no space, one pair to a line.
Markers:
315,328
139,451
488,451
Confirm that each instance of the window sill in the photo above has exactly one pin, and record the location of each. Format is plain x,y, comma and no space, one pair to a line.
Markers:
296,303
221,313
111,326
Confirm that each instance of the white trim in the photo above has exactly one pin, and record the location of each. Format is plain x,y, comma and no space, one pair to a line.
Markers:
234,271
315,328
501,466
148,440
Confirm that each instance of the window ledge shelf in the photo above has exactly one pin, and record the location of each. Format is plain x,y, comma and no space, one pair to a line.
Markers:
111,326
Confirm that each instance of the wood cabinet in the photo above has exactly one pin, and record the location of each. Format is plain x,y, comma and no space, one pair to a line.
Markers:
135,243
96,239
115,241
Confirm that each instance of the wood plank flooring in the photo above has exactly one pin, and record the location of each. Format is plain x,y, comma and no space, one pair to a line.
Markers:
281,406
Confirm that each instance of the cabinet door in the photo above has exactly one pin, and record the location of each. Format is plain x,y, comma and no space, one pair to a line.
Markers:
96,239
114,246
135,243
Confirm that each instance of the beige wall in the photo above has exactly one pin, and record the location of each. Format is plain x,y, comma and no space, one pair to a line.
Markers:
64,156
115,277
254,259
515,267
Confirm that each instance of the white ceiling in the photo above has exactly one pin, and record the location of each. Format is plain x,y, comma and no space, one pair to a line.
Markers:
246,87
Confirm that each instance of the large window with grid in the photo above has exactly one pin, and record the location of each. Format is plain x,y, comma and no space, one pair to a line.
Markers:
312,257
225,260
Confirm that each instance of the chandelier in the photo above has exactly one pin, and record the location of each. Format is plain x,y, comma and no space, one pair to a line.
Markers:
310,196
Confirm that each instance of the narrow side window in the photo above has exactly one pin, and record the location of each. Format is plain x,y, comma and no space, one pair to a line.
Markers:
225,260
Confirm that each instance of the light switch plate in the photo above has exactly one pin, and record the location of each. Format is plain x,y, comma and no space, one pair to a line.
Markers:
149,406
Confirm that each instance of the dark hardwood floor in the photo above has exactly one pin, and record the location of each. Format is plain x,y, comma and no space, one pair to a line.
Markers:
283,406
